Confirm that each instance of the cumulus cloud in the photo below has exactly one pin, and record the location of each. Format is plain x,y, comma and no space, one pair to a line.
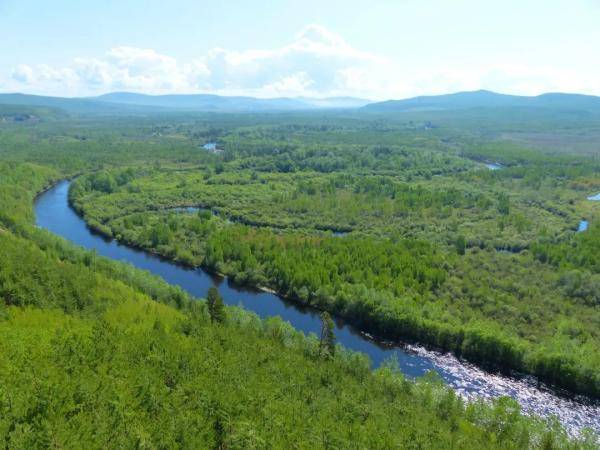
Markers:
317,62
122,68
23,74
43,73
312,63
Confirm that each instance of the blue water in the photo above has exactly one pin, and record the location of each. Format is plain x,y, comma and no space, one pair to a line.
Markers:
583,226
493,166
187,209
54,214
594,197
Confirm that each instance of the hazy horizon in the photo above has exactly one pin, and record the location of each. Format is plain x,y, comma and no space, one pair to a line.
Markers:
297,97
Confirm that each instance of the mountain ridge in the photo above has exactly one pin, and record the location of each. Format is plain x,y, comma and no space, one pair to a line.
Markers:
487,99
130,102
119,102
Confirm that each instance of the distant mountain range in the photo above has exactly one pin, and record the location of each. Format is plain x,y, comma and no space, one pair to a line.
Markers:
210,102
128,102
70,105
488,99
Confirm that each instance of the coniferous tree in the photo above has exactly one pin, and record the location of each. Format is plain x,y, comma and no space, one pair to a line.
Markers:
327,342
219,430
504,204
216,308
461,245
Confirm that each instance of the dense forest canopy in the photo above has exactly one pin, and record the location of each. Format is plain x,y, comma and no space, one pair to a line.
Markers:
408,235
393,223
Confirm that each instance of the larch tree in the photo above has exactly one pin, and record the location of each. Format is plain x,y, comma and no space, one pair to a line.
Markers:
216,308
327,341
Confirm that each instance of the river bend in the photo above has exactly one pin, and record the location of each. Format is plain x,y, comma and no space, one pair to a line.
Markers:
54,214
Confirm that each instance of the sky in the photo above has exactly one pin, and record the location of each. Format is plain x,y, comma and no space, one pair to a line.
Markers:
377,49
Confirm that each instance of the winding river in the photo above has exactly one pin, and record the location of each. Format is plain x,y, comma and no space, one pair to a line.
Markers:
54,214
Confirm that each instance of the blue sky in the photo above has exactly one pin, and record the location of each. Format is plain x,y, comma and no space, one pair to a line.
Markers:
377,49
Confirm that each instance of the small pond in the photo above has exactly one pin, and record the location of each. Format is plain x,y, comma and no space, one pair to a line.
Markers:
595,198
494,166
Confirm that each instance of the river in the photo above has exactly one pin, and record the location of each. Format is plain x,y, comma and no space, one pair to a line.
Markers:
54,214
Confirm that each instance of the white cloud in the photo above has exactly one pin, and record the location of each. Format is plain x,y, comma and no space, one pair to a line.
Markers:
44,74
295,84
317,62
23,73
312,63
128,68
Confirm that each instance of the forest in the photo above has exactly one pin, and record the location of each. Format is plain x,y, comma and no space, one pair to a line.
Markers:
399,228
423,243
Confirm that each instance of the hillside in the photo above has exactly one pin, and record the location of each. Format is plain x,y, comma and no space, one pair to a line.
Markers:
488,99
70,105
